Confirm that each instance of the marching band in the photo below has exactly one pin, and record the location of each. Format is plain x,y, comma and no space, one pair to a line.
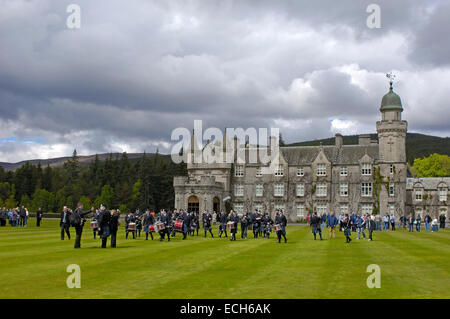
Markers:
166,223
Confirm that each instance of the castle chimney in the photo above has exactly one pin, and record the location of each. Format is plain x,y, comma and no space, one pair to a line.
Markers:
364,139
339,140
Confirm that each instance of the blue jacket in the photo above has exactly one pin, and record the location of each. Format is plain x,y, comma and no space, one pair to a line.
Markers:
331,221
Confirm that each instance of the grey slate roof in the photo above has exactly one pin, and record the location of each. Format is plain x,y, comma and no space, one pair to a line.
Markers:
427,182
347,154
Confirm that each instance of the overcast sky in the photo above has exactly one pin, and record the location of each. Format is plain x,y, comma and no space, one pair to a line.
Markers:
136,70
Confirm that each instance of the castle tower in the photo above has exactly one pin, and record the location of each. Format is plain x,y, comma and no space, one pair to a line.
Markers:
392,153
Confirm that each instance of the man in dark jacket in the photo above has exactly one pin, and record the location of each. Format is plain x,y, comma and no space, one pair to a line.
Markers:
371,225
207,219
80,213
281,220
64,222
114,226
315,225
103,225
222,218
166,219
442,219
39,217
147,221
186,218
234,218
245,221
129,219
22,216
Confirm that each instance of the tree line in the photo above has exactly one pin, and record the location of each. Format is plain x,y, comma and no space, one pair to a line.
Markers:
117,182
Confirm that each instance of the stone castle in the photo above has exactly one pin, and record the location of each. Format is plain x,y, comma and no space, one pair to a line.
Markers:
370,177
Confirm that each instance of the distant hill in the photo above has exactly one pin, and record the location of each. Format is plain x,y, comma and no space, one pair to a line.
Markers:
59,162
417,145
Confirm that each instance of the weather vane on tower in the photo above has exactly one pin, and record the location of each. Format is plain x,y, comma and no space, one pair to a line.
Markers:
391,76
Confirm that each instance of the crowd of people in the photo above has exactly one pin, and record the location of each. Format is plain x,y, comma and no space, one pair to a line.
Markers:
18,217
359,223
166,224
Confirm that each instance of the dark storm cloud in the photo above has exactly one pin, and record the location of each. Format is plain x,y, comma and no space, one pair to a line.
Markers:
138,69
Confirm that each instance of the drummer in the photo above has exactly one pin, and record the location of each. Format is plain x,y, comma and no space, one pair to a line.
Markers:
281,220
148,220
267,222
185,217
234,219
138,216
165,218
222,218
256,223
94,220
130,219
207,219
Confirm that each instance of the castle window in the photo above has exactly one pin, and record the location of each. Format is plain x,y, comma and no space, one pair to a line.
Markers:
366,209
301,210
300,171
321,189
344,208
279,171
278,189
343,189
258,172
391,169
391,189
238,208
366,189
442,194
239,170
238,190
321,169
321,209
300,189
366,169
391,209
344,171
418,193
259,190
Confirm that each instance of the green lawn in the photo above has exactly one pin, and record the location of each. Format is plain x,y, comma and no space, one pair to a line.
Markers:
33,264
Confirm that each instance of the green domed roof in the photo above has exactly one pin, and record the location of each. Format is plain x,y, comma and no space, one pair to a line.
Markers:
391,101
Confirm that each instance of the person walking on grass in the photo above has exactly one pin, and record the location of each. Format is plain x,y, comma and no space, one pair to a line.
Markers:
417,222
360,225
371,226
442,219
114,224
103,225
347,228
392,220
434,225
331,224
64,222
427,223
411,223
315,226
77,220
